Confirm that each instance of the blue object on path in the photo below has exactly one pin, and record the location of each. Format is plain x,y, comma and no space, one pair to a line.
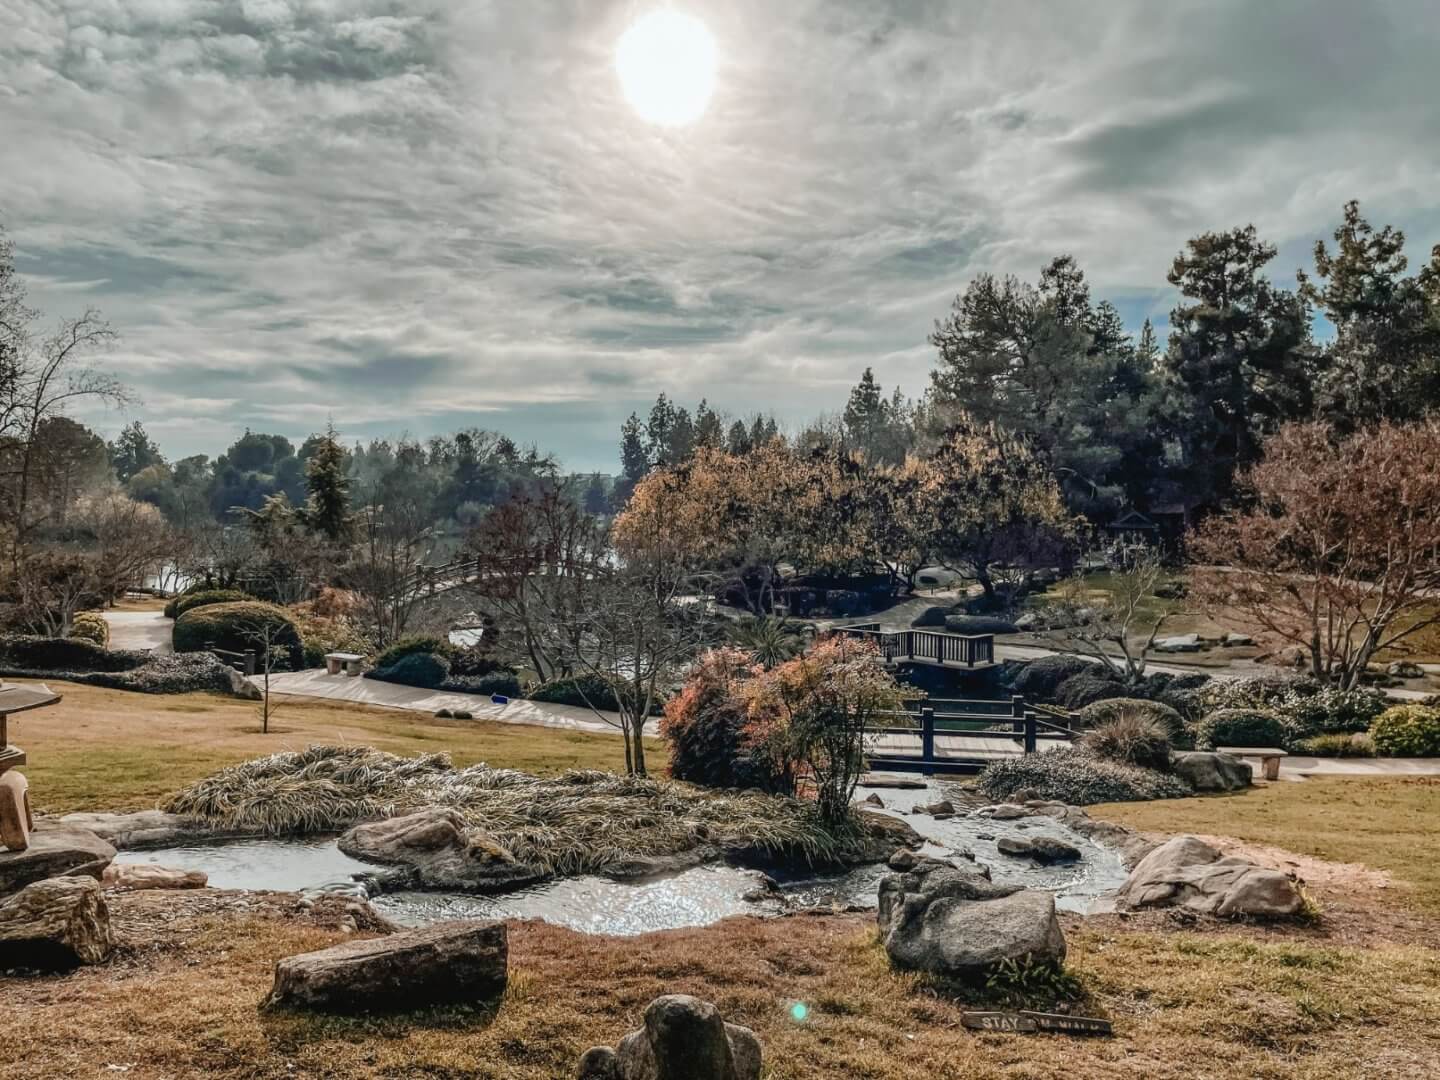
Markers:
499,699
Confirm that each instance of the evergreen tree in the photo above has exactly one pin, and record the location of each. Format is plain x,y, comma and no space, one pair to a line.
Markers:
658,431
738,441
327,507
634,461
133,451
682,439
709,432
597,499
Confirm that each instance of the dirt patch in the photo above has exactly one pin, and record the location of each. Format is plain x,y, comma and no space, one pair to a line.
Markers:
1337,876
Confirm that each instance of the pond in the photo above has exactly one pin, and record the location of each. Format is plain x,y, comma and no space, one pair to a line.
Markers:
695,897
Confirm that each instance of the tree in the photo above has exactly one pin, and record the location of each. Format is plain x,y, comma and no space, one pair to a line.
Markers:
1384,362
327,507
767,640
659,432
395,542
709,431
1238,353
1126,621
1336,546
817,711
133,451
634,461
877,426
597,498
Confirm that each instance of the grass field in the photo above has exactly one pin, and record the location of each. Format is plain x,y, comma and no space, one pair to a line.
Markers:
111,750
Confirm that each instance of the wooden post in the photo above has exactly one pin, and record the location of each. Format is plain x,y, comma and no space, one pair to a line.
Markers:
249,661
927,733
1030,733
1017,711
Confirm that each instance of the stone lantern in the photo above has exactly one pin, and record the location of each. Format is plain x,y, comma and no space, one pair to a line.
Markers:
15,819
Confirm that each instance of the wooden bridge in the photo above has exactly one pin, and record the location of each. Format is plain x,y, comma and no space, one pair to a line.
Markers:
961,736
967,652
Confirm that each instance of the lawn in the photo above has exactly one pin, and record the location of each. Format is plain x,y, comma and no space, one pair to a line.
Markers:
1389,824
112,750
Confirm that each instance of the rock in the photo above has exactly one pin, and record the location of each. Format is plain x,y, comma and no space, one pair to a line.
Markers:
444,714
460,962
599,1063
936,809
1028,622
957,924
984,836
1187,872
55,924
1043,849
242,687
684,1038
1013,845
904,860
147,828
873,800
1179,643
441,849
148,876
1006,812
1171,590
1232,640
891,780
1208,771
1025,796
56,850
1404,669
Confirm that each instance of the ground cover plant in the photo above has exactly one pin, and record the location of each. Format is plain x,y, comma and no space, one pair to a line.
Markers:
1077,776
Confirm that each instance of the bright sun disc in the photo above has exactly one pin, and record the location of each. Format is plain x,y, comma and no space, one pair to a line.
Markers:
666,63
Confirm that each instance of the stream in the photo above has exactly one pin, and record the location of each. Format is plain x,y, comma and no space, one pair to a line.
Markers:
694,897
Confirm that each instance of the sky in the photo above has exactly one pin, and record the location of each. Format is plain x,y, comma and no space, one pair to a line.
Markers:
420,216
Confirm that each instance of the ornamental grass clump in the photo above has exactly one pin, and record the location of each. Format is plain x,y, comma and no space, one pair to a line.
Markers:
581,822
1132,737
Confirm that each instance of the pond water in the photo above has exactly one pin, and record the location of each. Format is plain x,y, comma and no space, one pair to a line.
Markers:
695,897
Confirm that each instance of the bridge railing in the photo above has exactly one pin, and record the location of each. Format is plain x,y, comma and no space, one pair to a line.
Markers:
995,721
951,650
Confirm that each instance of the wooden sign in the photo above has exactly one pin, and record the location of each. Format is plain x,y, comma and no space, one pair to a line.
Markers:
998,1021
1069,1025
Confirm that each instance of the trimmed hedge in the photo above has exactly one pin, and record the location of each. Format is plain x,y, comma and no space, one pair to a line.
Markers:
55,655
91,626
932,618
1040,678
494,682
1102,712
979,624
1240,727
231,627
1407,731
1329,712
1075,776
408,646
427,670
1088,687
204,598
1338,746
585,691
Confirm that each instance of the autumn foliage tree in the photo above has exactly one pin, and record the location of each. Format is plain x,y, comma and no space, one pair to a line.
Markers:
1337,546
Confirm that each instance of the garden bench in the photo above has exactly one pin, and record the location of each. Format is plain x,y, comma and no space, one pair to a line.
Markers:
349,661
1268,756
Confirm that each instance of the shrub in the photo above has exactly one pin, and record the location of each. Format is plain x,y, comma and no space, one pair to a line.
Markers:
182,673
55,655
1039,679
1101,712
204,598
1239,727
1407,731
978,624
494,682
475,661
584,691
326,634
1328,711
1337,745
1251,692
423,669
1131,736
705,726
1087,688
91,626
1076,776
189,590
233,628
932,618
408,645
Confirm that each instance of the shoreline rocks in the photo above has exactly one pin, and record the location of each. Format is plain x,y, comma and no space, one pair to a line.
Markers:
441,851
56,850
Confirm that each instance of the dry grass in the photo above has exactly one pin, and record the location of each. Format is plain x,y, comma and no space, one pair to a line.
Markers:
1281,1008
110,750
1388,824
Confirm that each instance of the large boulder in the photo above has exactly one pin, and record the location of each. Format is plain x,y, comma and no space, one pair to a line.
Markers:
1187,872
955,923
55,924
441,850
144,828
1208,771
442,964
1043,849
56,850
134,876
684,1038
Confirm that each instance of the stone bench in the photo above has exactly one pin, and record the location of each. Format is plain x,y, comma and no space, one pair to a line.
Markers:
1268,756
349,661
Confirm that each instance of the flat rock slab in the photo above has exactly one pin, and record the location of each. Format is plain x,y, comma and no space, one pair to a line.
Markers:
56,850
147,876
441,850
145,828
1187,872
55,924
449,963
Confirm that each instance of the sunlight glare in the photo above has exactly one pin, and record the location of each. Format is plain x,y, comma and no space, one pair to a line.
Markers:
666,62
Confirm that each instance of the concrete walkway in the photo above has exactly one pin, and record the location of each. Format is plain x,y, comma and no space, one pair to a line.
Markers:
1297,767
140,630
361,691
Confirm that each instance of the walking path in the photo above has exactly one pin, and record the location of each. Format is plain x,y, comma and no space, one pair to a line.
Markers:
140,630
316,683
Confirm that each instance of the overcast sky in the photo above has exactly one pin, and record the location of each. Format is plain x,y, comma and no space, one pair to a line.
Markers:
426,215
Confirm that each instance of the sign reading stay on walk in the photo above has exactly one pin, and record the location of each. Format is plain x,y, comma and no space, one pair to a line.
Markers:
1028,1022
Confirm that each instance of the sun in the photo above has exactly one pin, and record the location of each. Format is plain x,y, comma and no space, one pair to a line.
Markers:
666,62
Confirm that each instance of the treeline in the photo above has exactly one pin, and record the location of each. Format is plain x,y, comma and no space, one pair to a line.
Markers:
1126,420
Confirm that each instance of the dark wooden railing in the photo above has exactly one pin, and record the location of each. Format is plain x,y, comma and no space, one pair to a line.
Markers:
996,722
926,646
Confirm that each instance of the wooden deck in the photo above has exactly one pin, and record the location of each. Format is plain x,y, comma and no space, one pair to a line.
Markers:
963,736
965,652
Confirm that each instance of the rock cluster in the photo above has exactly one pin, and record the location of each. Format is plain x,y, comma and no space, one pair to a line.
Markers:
441,964
684,1038
56,850
956,923
1187,872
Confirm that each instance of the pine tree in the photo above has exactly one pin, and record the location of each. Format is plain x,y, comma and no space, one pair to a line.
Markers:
634,461
658,431
709,433
327,508
132,451
597,499
738,441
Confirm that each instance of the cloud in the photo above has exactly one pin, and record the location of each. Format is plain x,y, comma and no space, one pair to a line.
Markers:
416,215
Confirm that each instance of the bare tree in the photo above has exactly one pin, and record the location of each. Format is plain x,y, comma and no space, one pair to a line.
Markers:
1126,621
395,543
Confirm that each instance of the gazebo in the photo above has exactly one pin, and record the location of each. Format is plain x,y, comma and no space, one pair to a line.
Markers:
15,818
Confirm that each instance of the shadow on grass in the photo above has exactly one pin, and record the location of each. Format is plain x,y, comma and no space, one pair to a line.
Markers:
286,1029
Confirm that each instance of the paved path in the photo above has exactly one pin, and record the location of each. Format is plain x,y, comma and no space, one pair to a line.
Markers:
317,683
1296,767
139,630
